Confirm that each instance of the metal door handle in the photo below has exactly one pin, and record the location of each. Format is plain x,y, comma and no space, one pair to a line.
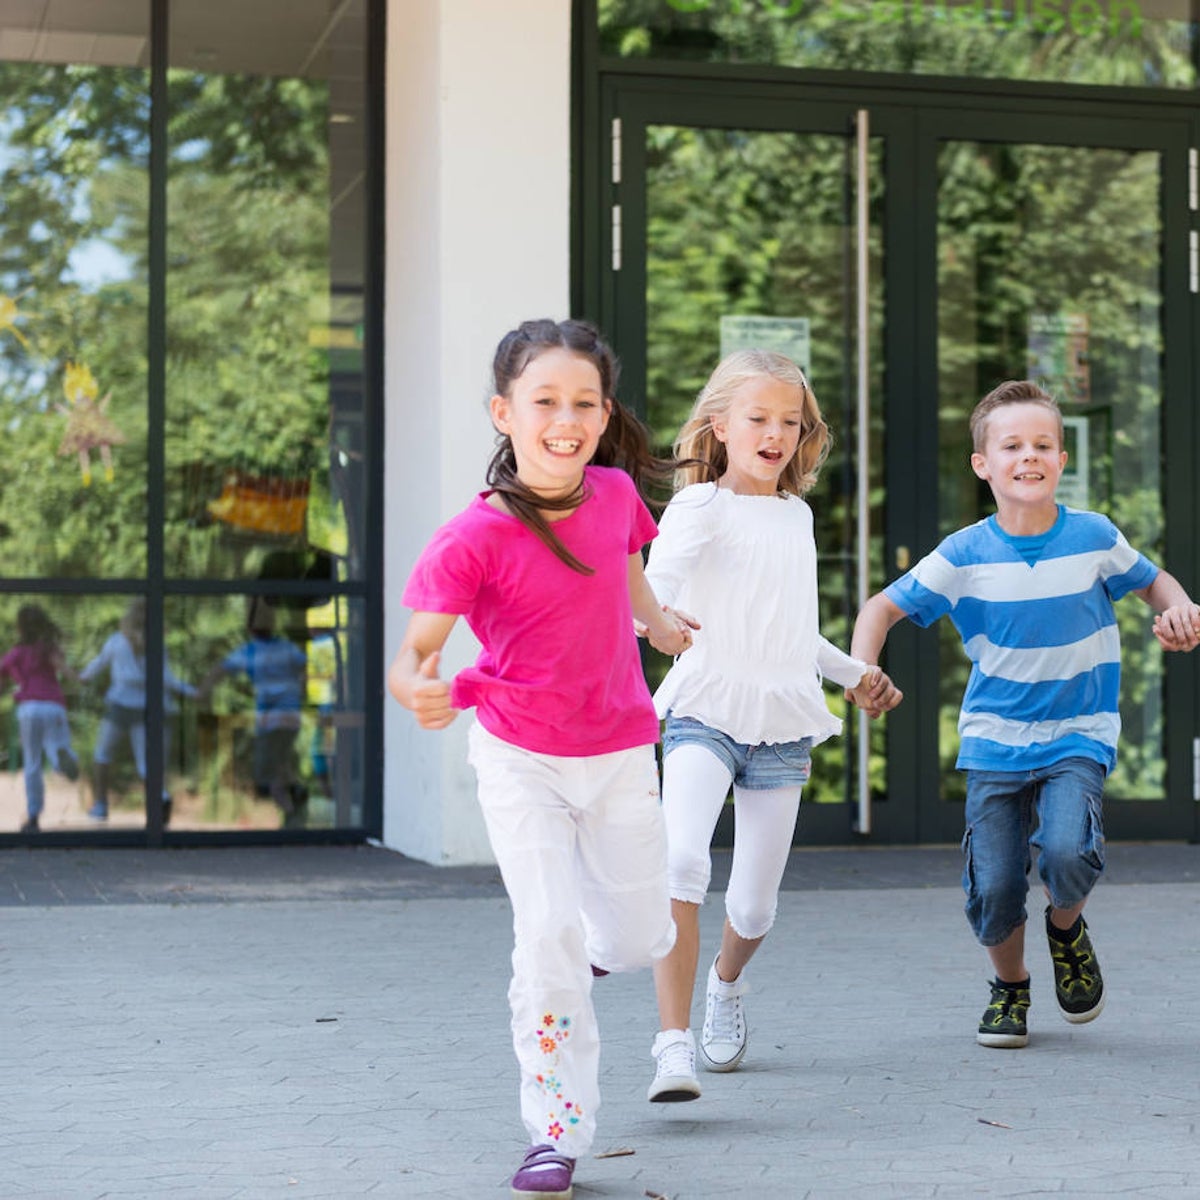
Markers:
862,130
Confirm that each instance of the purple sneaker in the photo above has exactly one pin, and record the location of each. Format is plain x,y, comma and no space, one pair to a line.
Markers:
545,1174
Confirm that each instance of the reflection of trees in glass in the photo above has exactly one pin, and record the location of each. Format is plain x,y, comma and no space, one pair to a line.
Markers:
247,278
1024,231
72,146
748,222
1109,43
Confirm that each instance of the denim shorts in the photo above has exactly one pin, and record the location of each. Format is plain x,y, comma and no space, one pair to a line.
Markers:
1058,810
764,767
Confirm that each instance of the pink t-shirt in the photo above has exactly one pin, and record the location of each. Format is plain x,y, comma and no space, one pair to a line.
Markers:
560,671
36,678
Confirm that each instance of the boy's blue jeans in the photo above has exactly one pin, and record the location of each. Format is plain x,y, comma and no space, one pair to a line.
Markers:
1065,798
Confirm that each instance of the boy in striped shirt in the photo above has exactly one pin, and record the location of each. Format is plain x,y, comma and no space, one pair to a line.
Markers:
1031,591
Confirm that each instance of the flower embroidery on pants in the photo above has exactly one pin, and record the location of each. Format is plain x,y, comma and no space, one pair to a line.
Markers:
553,1032
570,1114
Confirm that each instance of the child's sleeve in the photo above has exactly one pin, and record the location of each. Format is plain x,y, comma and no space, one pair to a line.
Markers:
642,526
1127,570
236,661
173,683
927,592
446,578
98,663
837,665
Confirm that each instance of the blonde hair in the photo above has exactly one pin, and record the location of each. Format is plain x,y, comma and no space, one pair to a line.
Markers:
133,624
698,442
1012,391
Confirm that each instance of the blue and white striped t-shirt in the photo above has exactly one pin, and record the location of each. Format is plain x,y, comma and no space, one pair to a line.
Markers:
1042,636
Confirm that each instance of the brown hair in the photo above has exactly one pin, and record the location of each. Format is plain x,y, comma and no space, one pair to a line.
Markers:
1012,391
36,629
705,455
625,442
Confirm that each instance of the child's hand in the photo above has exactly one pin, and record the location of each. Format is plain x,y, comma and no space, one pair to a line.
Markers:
875,693
674,635
431,696
1178,627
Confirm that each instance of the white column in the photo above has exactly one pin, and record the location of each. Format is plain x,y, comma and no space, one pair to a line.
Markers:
478,179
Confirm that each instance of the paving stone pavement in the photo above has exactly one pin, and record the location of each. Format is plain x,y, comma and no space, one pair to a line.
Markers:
331,1022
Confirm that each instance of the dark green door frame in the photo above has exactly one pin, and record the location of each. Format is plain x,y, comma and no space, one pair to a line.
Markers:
911,117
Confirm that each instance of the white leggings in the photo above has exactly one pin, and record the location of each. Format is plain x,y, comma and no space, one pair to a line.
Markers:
695,784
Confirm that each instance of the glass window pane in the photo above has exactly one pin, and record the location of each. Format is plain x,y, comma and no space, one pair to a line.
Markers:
73,713
1116,42
1032,283
74,129
274,736
264,435
752,230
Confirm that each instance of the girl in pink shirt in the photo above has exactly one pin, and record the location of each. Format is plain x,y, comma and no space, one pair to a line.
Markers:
546,567
35,664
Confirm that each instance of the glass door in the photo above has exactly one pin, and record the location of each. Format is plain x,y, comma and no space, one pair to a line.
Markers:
1051,259
737,225
998,245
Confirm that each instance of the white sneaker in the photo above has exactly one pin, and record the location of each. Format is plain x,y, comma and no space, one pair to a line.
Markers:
723,1041
674,1051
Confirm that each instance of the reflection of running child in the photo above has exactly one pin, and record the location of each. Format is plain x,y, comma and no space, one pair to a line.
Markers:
546,567
36,665
123,656
275,667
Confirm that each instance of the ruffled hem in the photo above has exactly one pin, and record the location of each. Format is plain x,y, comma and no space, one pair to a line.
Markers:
748,713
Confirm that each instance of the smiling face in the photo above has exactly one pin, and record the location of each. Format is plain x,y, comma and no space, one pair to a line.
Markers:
554,414
760,431
1022,460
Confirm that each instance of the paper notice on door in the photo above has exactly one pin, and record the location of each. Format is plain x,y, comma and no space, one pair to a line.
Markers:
784,335
1058,355
1073,489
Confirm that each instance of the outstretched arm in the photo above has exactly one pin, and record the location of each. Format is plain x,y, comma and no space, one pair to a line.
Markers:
875,693
875,620
669,631
413,676
1177,625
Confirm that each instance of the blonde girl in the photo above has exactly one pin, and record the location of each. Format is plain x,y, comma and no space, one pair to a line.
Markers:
743,706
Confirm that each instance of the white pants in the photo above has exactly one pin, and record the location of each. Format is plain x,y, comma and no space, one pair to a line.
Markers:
581,846
695,784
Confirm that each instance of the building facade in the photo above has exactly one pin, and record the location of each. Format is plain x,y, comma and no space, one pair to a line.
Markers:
254,260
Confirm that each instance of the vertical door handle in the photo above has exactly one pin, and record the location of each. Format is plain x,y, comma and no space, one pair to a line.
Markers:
862,132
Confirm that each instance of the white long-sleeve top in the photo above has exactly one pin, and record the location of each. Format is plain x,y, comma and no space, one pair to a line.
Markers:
746,568
127,675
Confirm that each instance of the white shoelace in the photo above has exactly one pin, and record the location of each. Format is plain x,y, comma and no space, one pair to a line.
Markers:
676,1058
725,1019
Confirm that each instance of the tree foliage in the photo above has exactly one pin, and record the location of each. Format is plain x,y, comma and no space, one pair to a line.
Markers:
247,280
247,388
1118,43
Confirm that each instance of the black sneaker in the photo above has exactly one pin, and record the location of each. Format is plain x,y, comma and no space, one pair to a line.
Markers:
1003,1021
1077,980
31,825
